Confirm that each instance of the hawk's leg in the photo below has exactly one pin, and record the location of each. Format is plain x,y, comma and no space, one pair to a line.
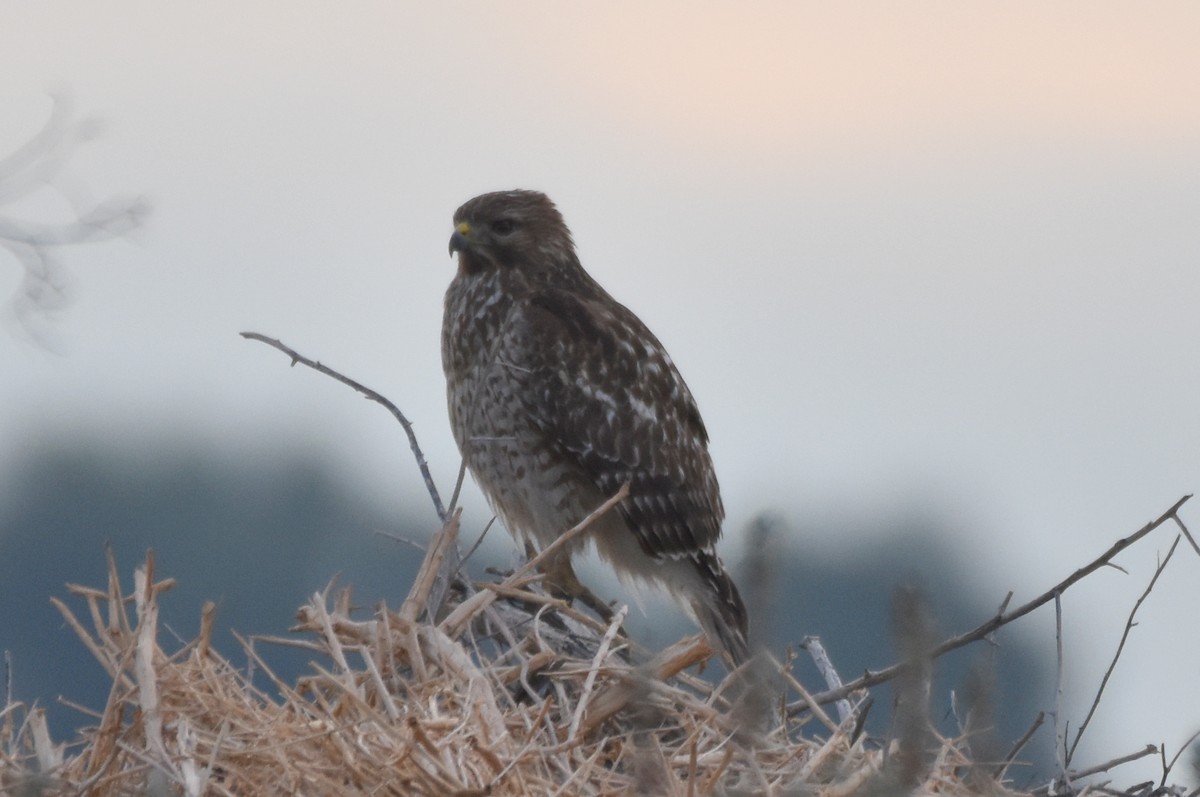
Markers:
561,582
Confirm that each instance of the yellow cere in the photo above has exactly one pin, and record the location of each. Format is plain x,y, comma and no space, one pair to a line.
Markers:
463,228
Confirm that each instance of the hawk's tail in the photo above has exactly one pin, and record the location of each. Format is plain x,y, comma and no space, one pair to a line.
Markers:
719,609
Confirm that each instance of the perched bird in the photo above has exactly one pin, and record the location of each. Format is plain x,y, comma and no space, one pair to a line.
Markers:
559,395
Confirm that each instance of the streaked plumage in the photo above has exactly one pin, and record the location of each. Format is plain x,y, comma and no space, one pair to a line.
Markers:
558,395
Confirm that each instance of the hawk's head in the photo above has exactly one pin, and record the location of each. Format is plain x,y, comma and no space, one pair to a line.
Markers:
511,229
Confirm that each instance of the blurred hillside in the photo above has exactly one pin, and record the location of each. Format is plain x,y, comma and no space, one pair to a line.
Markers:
259,536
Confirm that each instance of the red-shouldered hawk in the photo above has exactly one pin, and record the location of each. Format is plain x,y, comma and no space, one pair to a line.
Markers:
558,395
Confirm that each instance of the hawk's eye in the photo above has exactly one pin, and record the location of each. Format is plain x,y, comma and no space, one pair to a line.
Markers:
504,226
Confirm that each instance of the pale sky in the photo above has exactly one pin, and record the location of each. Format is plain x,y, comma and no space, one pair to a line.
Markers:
929,252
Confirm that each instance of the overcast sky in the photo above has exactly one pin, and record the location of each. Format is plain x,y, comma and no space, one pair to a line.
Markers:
922,254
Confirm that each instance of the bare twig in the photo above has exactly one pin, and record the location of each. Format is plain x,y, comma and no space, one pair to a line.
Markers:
1120,647
45,283
478,540
1000,619
1060,733
820,658
1188,534
451,561
373,396
458,483
1169,765
1107,765
101,223
998,772
451,567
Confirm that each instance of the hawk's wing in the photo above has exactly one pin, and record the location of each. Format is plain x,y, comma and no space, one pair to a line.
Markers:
610,399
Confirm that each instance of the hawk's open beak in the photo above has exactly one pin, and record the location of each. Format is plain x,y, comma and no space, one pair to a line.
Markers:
459,240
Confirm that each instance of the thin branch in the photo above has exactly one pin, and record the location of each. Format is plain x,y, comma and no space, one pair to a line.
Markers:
1107,765
478,540
33,164
1168,766
1188,534
107,220
43,287
1000,619
373,396
1121,646
451,569
458,483
1060,731
812,644
998,772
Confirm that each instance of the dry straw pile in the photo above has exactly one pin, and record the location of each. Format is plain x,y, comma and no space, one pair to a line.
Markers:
509,692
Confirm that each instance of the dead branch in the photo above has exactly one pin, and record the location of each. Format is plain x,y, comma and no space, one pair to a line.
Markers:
1019,745
1060,731
1121,647
45,283
1077,775
1188,534
373,395
1169,765
1001,619
816,650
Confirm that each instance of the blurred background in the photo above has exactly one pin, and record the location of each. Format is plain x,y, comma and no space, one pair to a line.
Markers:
930,269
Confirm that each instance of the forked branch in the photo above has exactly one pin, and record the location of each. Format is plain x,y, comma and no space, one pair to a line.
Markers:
1001,618
1129,624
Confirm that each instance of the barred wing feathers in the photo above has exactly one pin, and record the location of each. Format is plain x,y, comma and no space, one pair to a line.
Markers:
609,397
